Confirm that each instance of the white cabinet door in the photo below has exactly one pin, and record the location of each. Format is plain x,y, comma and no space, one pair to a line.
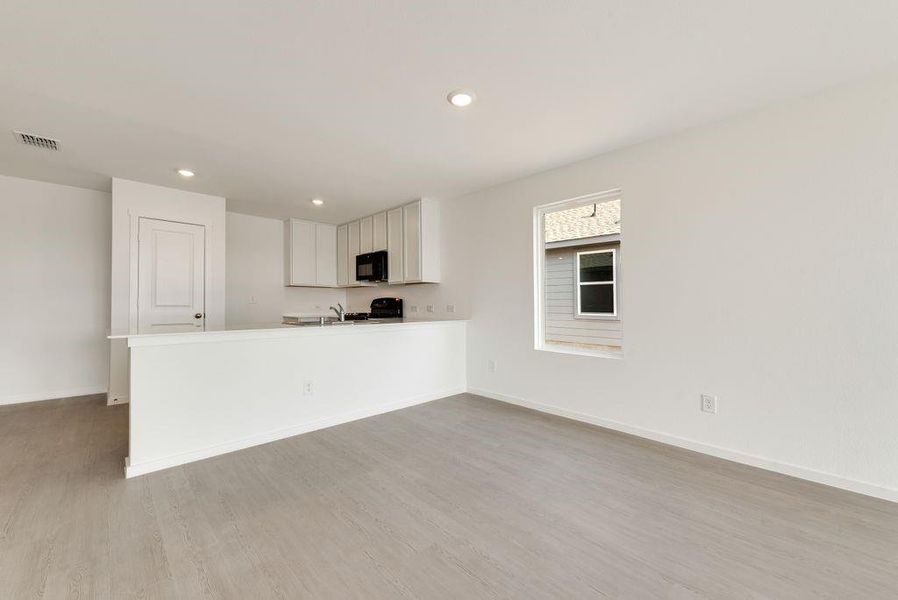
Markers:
366,235
394,246
430,240
171,276
303,267
311,250
353,245
411,242
343,255
325,255
379,236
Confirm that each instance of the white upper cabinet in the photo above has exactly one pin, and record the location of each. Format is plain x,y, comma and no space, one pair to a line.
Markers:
411,236
343,255
379,235
366,235
326,254
421,241
311,254
411,243
353,232
394,246
300,241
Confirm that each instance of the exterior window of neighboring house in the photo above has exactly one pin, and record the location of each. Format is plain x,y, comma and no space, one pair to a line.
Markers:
596,288
578,276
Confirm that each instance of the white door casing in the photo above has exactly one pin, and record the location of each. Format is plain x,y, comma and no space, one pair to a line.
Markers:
171,276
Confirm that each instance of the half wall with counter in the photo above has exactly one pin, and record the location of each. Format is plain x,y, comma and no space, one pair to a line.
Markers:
197,395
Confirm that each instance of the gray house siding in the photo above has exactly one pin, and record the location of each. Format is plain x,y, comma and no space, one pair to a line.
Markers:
562,326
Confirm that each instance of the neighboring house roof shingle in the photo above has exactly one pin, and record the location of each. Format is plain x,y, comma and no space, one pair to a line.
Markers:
570,225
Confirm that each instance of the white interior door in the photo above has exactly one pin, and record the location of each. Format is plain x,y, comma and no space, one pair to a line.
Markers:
171,265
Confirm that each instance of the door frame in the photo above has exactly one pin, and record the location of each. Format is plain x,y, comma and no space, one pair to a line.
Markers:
134,272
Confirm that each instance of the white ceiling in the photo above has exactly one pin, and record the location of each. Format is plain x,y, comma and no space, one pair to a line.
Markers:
275,102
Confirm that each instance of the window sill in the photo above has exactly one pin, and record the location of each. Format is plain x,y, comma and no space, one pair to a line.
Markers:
612,318
609,353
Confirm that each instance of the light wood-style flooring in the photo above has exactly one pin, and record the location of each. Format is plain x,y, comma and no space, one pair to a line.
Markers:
460,498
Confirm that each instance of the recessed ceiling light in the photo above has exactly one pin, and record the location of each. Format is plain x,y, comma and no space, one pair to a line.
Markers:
317,201
186,173
460,98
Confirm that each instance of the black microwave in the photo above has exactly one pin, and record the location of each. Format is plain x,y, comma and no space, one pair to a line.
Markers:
371,266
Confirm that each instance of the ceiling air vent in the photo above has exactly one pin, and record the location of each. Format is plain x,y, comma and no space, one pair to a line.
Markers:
38,141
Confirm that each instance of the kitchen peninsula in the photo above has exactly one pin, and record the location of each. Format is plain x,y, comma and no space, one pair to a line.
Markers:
200,394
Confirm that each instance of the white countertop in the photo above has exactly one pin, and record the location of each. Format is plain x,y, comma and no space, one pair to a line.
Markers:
273,330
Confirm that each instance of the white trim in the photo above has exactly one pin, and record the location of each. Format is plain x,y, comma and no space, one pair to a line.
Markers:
539,276
121,399
612,283
271,436
852,485
539,263
612,238
554,347
53,395
583,200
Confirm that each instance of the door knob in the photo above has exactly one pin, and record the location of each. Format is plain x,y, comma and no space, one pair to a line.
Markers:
198,316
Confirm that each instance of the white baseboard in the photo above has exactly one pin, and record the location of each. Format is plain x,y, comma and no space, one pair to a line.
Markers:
852,485
53,395
133,470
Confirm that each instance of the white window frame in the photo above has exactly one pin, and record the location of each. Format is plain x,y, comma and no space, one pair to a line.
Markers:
612,283
539,273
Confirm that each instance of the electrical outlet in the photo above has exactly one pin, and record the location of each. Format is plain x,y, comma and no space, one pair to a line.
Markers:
252,300
491,366
450,308
709,404
430,308
413,308
308,387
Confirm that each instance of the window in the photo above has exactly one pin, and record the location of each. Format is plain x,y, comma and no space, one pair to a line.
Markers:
577,275
596,288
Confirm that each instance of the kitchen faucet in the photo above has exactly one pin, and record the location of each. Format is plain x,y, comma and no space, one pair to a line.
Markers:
341,312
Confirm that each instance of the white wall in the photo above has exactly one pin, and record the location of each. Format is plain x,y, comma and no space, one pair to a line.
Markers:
761,265
255,275
131,200
54,307
247,388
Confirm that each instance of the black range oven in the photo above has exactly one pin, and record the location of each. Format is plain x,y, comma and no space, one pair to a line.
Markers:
386,308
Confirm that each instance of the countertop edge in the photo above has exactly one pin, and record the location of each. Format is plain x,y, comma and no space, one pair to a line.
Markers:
274,333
